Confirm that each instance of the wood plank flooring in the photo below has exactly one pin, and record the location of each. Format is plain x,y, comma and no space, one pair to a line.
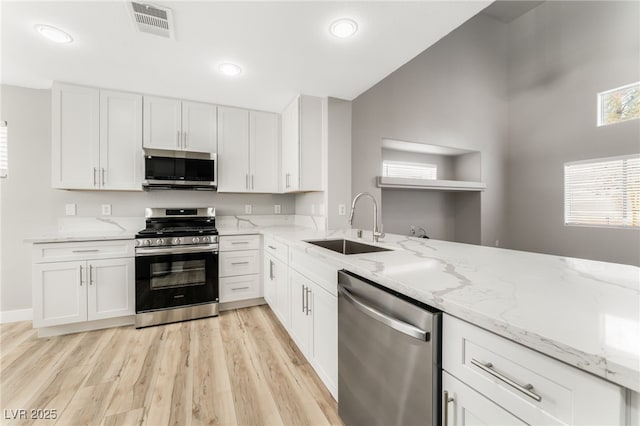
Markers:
240,368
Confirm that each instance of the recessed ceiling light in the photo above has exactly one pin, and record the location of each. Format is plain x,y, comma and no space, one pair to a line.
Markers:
230,69
54,34
343,27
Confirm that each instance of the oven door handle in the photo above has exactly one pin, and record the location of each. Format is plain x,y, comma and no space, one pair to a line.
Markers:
152,251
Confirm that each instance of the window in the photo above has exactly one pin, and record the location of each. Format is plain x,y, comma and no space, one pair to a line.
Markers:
400,169
4,149
620,104
603,192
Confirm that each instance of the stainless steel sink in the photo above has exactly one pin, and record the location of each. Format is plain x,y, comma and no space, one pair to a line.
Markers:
346,246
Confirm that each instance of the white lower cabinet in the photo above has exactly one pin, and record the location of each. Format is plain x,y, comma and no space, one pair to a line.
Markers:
76,291
301,311
467,407
276,288
239,268
241,287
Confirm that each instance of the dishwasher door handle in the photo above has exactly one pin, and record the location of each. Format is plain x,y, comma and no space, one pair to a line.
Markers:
401,326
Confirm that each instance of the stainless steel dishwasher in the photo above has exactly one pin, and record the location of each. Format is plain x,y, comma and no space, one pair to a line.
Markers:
389,356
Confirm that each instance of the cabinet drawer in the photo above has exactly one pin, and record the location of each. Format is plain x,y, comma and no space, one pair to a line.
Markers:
86,250
239,263
239,288
279,250
532,386
239,242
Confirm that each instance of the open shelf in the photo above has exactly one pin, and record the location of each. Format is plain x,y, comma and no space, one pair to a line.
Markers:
430,184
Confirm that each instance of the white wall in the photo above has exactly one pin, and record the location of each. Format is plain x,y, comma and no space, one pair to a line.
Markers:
29,205
338,162
452,94
561,54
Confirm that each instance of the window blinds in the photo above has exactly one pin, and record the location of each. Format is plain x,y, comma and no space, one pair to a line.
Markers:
409,170
603,192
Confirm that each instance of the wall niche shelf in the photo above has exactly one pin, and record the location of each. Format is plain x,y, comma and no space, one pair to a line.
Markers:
430,184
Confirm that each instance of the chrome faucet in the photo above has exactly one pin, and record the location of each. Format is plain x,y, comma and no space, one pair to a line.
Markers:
376,231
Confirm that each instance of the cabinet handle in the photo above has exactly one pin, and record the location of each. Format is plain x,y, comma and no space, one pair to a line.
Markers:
246,181
271,276
252,186
239,263
303,293
184,134
525,389
240,288
95,170
178,138
80,275
103,179
287,180
90,274
308,298
445,408
85,251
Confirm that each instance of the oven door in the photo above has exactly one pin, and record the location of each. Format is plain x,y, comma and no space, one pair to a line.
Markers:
168,279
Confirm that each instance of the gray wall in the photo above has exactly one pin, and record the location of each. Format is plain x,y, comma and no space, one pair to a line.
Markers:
452,94
29,204
561,54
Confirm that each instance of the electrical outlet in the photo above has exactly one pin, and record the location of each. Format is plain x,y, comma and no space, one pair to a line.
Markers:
342,210
247,209
70,209
497,243
106,210
276,209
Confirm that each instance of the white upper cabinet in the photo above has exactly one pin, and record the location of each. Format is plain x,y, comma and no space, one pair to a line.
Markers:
199,127
162,123
247,150
302,144
172,124
76,136
233,150
264,137
97,139
121,155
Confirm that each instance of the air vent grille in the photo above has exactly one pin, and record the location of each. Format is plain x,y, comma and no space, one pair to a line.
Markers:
153,19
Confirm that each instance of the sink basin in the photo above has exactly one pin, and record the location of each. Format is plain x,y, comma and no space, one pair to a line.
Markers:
346,246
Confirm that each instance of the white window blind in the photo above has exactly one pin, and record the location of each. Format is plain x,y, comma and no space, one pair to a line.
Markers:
409,170
603,192
4,149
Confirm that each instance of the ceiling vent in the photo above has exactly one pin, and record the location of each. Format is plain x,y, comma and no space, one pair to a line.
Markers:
153,19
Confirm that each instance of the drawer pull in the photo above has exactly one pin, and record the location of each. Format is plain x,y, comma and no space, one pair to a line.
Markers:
240,242
272,247
239,263
85,251
240,288
525,389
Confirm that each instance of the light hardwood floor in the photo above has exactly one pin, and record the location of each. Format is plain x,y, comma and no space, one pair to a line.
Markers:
240,368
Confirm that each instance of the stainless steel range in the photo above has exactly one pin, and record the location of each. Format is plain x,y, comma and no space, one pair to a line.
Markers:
176,266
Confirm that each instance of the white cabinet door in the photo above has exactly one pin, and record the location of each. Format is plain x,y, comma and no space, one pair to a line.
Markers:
311,142
269,281
162,123
264,152
276,288
468,407
111,290
233,150
291,146
59,293
325,336
121,155
199,127
76,136
301,311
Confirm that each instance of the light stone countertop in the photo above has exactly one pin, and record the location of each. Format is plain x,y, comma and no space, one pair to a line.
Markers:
584,313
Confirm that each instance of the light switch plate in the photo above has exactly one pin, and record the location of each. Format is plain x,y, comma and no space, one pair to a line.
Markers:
106,209
70,209
247,209
277,209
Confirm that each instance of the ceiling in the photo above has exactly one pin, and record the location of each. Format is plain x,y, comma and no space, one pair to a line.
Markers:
284,48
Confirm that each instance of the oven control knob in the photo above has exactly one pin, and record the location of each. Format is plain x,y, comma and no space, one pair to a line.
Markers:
175,241
195,240
147,242
205,239
160,242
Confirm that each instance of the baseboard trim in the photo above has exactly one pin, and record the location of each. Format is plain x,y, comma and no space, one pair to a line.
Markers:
16,315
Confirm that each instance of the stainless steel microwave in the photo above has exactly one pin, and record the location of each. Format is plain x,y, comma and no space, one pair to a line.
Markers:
180,173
